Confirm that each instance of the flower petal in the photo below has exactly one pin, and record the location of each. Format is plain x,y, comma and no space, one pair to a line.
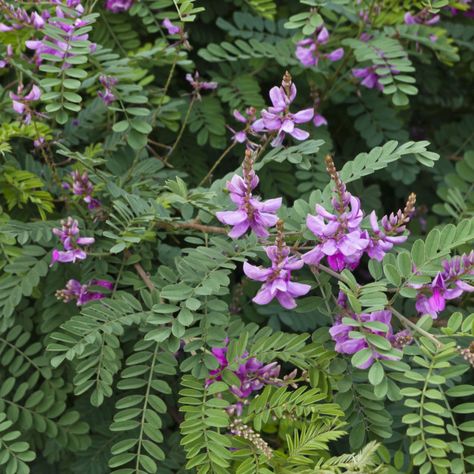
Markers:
256,273
303,116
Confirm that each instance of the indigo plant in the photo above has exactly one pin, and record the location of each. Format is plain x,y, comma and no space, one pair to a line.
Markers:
236,236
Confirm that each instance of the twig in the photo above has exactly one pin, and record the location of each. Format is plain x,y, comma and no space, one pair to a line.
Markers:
144,276
416,328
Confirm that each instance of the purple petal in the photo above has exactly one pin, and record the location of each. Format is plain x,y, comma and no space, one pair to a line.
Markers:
287,126
238,116
299,134
298,289
239,230
264,296
303,116
336,55
286,300
278,98
313,257
85,240
319,120
256,273
270,205
323,36
231,217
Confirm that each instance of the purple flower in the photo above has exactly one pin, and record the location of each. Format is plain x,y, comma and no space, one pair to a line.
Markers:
424,17
68,235
308,50
251,212
446,285
107,95
341,239
318,119
172,29
242,135
370,78
20,104
278,118
343,334
118,6
252,373
82,293
277,278
199,85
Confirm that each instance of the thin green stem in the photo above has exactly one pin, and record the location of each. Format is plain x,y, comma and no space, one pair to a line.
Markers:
183,126
217,163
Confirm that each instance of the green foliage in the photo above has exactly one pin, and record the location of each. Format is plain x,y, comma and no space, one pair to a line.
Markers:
457,190
138,413
430,411
62,81
175,368
206,448
20,187
33,131
264,8
391,62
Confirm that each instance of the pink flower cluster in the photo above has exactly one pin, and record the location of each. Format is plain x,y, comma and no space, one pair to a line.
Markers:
252,373
342,240
251,212
82,294
69,236
446,285
277,278
278,118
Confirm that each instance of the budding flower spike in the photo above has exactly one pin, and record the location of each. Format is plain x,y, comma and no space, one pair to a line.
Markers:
251,213
278,118
384,237
277,278
107,96
82,186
